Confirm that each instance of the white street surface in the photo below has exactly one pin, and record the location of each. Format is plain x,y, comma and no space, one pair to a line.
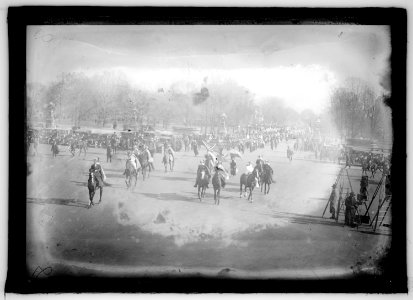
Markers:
162,227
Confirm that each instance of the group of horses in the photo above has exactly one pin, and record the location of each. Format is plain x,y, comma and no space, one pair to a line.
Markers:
140,163
136,163
218,182
260,176
81,145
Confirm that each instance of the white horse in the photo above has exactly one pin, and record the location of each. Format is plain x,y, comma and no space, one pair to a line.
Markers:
131,171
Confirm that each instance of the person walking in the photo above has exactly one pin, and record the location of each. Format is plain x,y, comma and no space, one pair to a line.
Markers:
109,153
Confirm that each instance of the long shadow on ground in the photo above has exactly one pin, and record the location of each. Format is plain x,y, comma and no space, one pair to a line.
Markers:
172,197
58,201
308,219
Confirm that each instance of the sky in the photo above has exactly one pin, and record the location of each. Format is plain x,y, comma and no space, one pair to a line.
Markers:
300,64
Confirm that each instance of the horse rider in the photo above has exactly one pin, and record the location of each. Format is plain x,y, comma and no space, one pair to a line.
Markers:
259,163
249,168
208,161
130,157
171,151
97,170
222,173
150,159
136,151
202,167
266,167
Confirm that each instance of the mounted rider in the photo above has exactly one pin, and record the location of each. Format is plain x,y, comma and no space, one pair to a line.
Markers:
202,168
219,168
249,168
131,157
258,164
150,158
267,168
98,172
170,151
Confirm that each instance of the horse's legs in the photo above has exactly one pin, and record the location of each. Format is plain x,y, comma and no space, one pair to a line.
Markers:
240,190
101,192
91,195
219,192
269,185
199,192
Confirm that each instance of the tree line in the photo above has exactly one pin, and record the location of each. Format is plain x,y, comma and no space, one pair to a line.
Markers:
358,112
109,98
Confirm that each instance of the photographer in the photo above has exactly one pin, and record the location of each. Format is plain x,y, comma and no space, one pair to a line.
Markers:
350,214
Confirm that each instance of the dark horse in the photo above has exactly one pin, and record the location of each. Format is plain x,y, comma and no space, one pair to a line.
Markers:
266,178
93,184
202,184
218,182
144,161
249,181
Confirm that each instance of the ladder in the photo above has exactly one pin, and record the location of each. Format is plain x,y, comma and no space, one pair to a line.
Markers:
329,200
382,210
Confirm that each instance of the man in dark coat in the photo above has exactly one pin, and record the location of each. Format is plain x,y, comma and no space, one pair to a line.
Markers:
109,153
267,168
98,171
351,206
55,148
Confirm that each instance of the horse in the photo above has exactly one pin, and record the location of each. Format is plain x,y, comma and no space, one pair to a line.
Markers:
82,146
131,172
249,181
218,182
202,184
92,185
144,162
266,179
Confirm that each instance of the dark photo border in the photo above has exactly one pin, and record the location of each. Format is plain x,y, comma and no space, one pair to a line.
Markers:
394,264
